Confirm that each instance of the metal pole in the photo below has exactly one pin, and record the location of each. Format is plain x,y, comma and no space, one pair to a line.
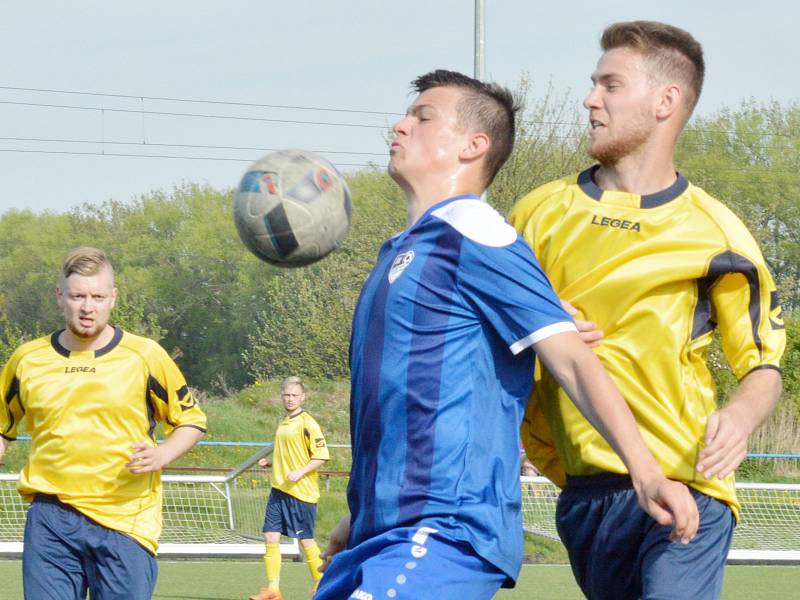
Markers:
480,39
480,50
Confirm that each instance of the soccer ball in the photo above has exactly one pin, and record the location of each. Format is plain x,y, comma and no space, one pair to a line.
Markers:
292,208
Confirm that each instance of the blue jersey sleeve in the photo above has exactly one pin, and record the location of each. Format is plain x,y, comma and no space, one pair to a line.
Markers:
509,289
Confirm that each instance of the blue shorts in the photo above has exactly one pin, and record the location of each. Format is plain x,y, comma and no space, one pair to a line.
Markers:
289,516
409,562
66,553
618,552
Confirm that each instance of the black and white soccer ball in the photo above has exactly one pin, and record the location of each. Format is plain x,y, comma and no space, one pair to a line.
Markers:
292,208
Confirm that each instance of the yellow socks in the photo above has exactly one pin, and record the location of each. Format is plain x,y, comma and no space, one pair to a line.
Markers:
272,562
314,561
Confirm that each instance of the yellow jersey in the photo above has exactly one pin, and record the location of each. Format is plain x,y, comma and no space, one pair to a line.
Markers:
84,410
298,440
658,274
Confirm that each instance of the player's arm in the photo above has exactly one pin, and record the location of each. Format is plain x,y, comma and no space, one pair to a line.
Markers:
729,428
317,450
337,542
3,446
146,459
174,404
580,373
753,338
312,465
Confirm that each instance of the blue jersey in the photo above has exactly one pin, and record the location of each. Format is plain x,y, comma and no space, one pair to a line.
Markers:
440,377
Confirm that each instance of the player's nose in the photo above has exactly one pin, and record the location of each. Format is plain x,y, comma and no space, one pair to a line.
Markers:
592,99
401,127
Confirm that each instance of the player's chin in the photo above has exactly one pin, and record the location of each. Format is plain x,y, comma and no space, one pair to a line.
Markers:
85,331
394,171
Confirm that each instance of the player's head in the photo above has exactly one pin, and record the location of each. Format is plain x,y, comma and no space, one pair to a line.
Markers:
648,80
454,121
86,292
293,394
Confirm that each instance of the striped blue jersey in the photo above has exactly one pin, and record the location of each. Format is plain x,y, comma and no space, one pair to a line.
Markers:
440,378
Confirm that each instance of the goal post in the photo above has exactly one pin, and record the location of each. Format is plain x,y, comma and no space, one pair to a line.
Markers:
768,528
203,514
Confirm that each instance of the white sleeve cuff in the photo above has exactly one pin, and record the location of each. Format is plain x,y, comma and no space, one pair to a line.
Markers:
541,334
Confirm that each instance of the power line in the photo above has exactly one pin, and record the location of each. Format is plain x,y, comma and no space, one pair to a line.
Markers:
194,115
123,155
199,146
201,101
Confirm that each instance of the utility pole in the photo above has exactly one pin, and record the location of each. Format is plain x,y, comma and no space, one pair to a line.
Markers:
480,48
480,39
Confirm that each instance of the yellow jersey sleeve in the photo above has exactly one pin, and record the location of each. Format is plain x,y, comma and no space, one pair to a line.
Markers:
749,319
173,402
315,441
11,411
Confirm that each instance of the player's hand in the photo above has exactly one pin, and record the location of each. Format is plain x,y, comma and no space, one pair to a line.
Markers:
295,476
145,459
587,330
337,542
670,503
726,436
264,463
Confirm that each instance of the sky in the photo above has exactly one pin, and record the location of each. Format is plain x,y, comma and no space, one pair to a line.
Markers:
177,92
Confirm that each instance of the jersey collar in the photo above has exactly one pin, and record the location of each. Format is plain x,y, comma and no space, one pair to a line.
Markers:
97,353
591,189
426,214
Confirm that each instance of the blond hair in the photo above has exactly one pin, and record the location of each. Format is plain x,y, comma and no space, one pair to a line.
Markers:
86,261
293,380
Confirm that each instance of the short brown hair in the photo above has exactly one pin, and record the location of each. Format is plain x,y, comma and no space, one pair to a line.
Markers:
85,261
672,52
486,108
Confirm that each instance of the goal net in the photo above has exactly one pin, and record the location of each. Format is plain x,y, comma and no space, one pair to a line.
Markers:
768,529
203,514
222,514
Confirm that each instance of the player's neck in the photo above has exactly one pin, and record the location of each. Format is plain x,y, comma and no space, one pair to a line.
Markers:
74,343
420,198
637,174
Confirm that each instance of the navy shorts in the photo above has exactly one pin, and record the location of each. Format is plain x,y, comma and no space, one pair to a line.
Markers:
618,552
289,516
410,563
66,553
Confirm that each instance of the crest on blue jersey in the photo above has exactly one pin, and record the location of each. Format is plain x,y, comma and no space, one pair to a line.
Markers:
399,265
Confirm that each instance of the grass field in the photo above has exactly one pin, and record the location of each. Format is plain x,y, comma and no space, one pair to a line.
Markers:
235,580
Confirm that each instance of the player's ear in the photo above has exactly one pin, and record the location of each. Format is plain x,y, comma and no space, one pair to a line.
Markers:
113,297
670,101
59,297
477,146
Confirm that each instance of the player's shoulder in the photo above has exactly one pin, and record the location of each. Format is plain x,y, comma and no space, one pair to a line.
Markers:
29,348
553,190
721,220
149,350
308,417
477,221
